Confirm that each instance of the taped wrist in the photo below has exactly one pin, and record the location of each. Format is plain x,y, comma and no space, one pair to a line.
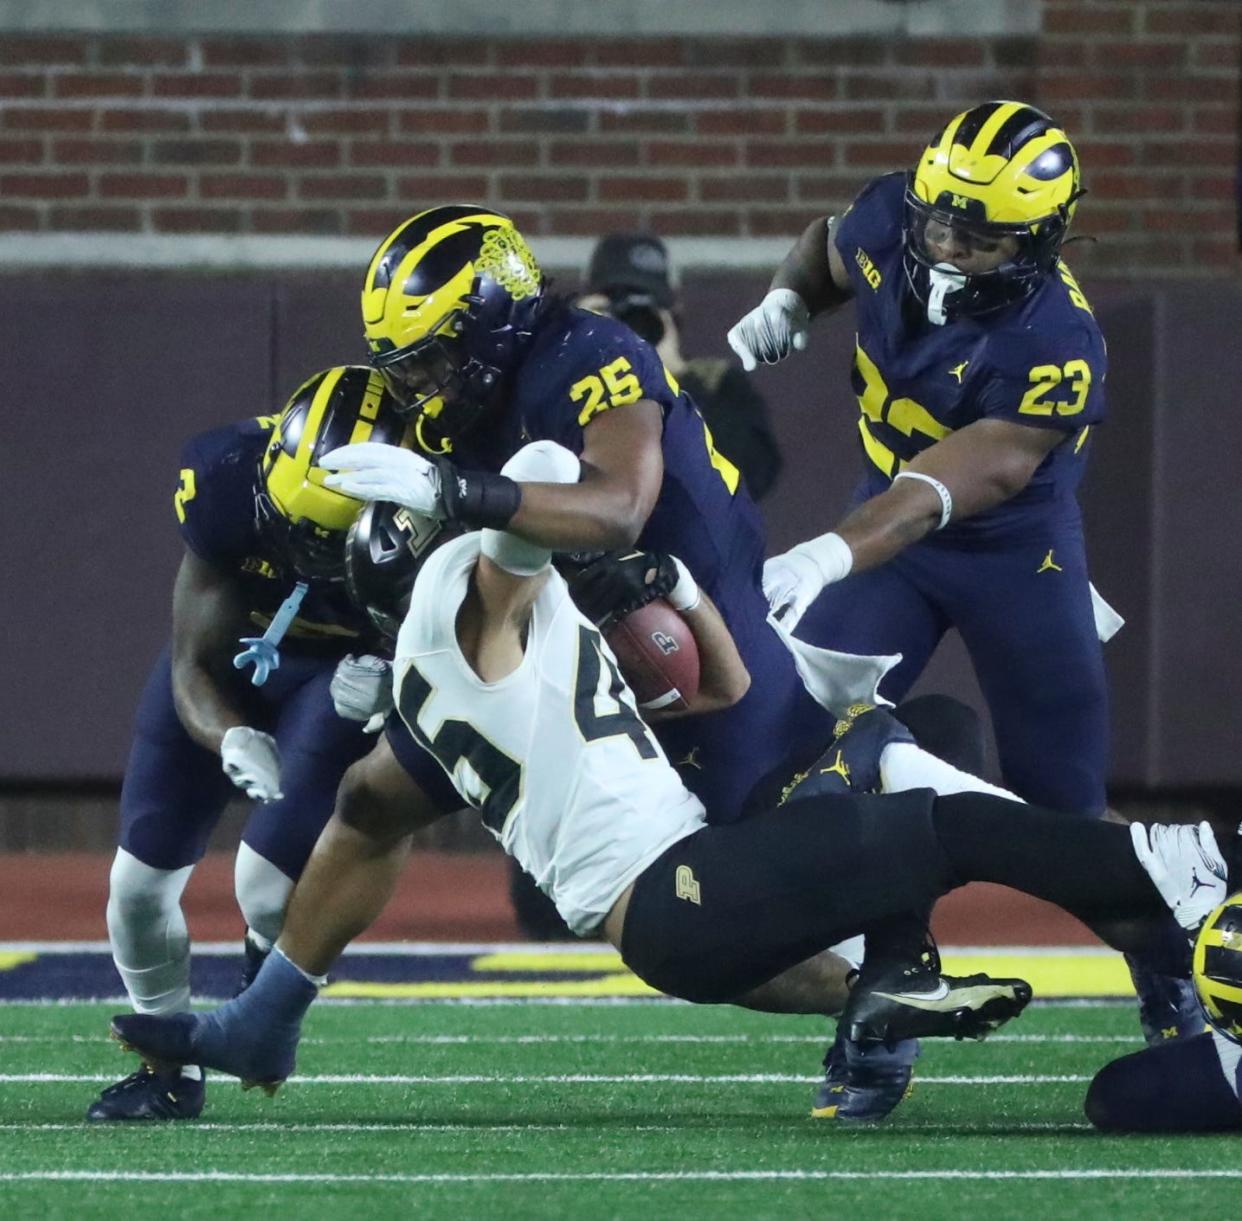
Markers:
477,498
830,553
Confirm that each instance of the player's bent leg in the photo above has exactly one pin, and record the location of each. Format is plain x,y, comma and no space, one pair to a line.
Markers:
151,950
1190,1085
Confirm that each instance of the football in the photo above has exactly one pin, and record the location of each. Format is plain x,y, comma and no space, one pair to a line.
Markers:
658,656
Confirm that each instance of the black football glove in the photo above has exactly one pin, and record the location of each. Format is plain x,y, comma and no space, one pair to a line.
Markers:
618,583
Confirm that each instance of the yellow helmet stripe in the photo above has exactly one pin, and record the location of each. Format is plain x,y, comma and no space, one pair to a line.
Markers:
982,142
402,233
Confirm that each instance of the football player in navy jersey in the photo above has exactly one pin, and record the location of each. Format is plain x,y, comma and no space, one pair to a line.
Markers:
484,359
979,371
226,707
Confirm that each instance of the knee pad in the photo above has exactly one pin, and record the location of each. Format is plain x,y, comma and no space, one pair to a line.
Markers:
150,941
262,893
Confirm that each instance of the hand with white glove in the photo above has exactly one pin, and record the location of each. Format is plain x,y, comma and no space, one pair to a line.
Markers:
1185,865
252,762
361,687
794,579
774,328
370,470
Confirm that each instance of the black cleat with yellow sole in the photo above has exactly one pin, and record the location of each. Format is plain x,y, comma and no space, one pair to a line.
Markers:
913,1000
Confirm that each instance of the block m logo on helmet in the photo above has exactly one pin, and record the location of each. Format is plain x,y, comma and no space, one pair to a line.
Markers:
998,185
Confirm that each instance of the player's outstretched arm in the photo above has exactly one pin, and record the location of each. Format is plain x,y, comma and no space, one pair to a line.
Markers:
970,470
812,280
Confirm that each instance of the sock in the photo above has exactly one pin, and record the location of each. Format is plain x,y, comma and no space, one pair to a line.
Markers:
906,766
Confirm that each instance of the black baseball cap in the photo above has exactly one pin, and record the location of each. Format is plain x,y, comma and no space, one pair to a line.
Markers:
631,262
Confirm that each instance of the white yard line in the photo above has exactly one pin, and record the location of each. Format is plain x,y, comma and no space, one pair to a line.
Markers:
569,1079
466,1040
286,1128
637,1176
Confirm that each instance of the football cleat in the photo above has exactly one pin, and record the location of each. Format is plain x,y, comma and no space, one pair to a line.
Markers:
253,1037
851,764
151,1093
183,1037
1168,1006
1186,867
864,1084
912,1000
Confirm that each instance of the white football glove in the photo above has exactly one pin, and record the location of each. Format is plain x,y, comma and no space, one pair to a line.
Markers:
794,579
252,762
1186,866
361,687
773,329
374,471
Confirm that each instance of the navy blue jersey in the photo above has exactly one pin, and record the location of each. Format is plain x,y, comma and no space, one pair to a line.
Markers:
214,503
580,365
1040,362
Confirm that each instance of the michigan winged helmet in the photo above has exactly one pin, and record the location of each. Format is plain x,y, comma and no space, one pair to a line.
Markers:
1002,170
303,521
450,298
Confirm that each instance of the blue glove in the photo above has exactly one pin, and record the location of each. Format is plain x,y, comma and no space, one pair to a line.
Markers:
262,652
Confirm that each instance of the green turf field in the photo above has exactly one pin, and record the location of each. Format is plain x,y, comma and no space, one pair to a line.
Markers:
573,1110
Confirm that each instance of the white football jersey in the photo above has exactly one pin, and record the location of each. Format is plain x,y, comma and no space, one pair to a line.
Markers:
554,756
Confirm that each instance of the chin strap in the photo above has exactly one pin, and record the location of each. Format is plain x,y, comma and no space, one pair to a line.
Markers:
263,652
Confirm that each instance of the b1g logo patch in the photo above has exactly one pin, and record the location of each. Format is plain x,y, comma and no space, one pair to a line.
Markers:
871,273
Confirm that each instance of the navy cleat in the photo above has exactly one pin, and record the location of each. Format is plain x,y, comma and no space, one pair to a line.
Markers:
253,1037
1168,1006
255,957
851,764
864,1084
151,1093
896,1000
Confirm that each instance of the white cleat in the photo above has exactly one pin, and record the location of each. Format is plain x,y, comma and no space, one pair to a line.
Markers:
1186,866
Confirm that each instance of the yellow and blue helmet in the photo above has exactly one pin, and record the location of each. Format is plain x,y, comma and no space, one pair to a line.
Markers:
449,300
1218,967
1001,169
303,522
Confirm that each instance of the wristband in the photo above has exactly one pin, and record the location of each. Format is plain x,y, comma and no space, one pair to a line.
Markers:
477,498
830,553
685,594
946,497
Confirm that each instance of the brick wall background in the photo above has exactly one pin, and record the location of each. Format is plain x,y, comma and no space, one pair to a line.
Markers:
731,138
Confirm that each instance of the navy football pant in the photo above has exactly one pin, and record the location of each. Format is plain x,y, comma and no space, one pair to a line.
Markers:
1189,1085
175,791
1030,634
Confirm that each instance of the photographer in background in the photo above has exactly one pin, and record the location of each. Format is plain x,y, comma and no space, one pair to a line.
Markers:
628,279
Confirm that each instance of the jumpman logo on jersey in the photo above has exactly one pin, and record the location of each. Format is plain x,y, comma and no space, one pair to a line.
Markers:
958,370
1049,564
839,766
691,759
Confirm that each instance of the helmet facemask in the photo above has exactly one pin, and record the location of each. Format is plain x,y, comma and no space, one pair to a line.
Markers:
931,278
303,548
438,383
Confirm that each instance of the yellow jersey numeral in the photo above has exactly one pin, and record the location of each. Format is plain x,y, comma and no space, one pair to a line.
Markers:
615,385
186,491
1076,374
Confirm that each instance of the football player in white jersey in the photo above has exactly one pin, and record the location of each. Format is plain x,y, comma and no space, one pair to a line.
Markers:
519,698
